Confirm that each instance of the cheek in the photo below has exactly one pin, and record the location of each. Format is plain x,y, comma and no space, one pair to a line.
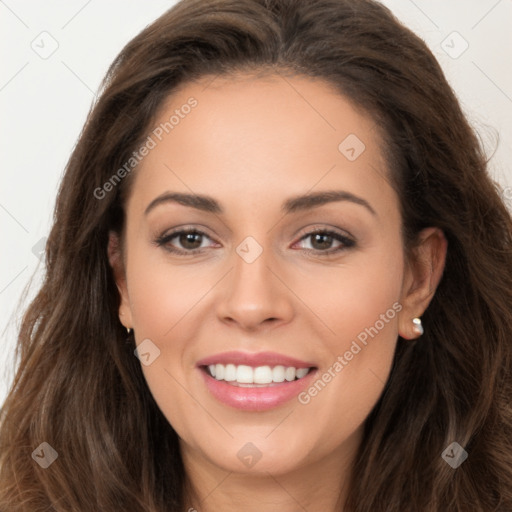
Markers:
356,296
162,294
164,301
361,306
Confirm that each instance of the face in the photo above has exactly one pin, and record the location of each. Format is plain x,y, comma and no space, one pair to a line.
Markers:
264,272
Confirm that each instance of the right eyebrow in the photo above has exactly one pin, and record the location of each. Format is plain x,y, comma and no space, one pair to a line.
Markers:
204,203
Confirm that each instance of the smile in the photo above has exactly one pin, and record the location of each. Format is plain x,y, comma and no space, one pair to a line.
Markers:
255,382
243,375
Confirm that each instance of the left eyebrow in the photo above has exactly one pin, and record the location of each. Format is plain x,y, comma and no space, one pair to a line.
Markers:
292,205
314,200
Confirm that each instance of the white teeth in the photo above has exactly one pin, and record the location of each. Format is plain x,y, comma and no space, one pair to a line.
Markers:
278,374
243,374
262,375
301,372
230,373
219,371
289,374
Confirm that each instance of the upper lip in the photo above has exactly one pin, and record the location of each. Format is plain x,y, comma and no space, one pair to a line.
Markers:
254,359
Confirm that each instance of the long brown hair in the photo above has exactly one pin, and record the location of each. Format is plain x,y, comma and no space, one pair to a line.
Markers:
79,387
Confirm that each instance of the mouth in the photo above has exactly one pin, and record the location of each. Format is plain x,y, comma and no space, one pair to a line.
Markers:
253,377
255,382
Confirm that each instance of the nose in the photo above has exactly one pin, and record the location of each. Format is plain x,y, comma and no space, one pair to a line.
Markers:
255,293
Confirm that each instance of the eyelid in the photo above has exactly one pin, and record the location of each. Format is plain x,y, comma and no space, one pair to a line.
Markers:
322,228
163,239
347,240
315,228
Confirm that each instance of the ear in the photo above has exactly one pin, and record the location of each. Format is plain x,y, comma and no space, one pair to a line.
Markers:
115,259
424,269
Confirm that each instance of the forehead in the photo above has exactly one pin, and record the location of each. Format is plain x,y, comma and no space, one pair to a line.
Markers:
261,137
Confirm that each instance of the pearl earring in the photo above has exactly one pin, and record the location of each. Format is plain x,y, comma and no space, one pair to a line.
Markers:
128,330
418,328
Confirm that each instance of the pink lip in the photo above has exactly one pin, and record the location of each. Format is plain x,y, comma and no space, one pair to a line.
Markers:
253,359
256,399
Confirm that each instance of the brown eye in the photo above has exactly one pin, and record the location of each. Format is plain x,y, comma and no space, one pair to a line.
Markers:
184,241
327,242
321,241
190,240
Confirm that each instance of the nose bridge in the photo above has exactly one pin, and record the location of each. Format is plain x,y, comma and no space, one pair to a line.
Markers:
254,293
252,262
251,274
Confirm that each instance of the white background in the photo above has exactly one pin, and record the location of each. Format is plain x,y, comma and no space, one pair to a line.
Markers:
44,103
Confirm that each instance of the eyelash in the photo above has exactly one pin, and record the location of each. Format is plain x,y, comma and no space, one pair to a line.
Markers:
345,240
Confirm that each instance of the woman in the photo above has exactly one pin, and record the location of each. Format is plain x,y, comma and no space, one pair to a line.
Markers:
278,279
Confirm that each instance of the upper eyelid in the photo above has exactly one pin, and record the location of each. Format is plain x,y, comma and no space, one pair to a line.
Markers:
324,229
318,226
179,231
309,232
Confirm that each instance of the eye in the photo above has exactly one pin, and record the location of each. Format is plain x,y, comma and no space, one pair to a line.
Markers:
192,241
322,241
189,241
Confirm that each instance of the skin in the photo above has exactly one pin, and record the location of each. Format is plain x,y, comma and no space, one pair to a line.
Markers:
251,143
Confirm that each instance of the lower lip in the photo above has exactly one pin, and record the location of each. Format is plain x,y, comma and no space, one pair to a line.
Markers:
257,398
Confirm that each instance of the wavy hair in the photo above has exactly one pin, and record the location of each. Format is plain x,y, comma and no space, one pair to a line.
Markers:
78,385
